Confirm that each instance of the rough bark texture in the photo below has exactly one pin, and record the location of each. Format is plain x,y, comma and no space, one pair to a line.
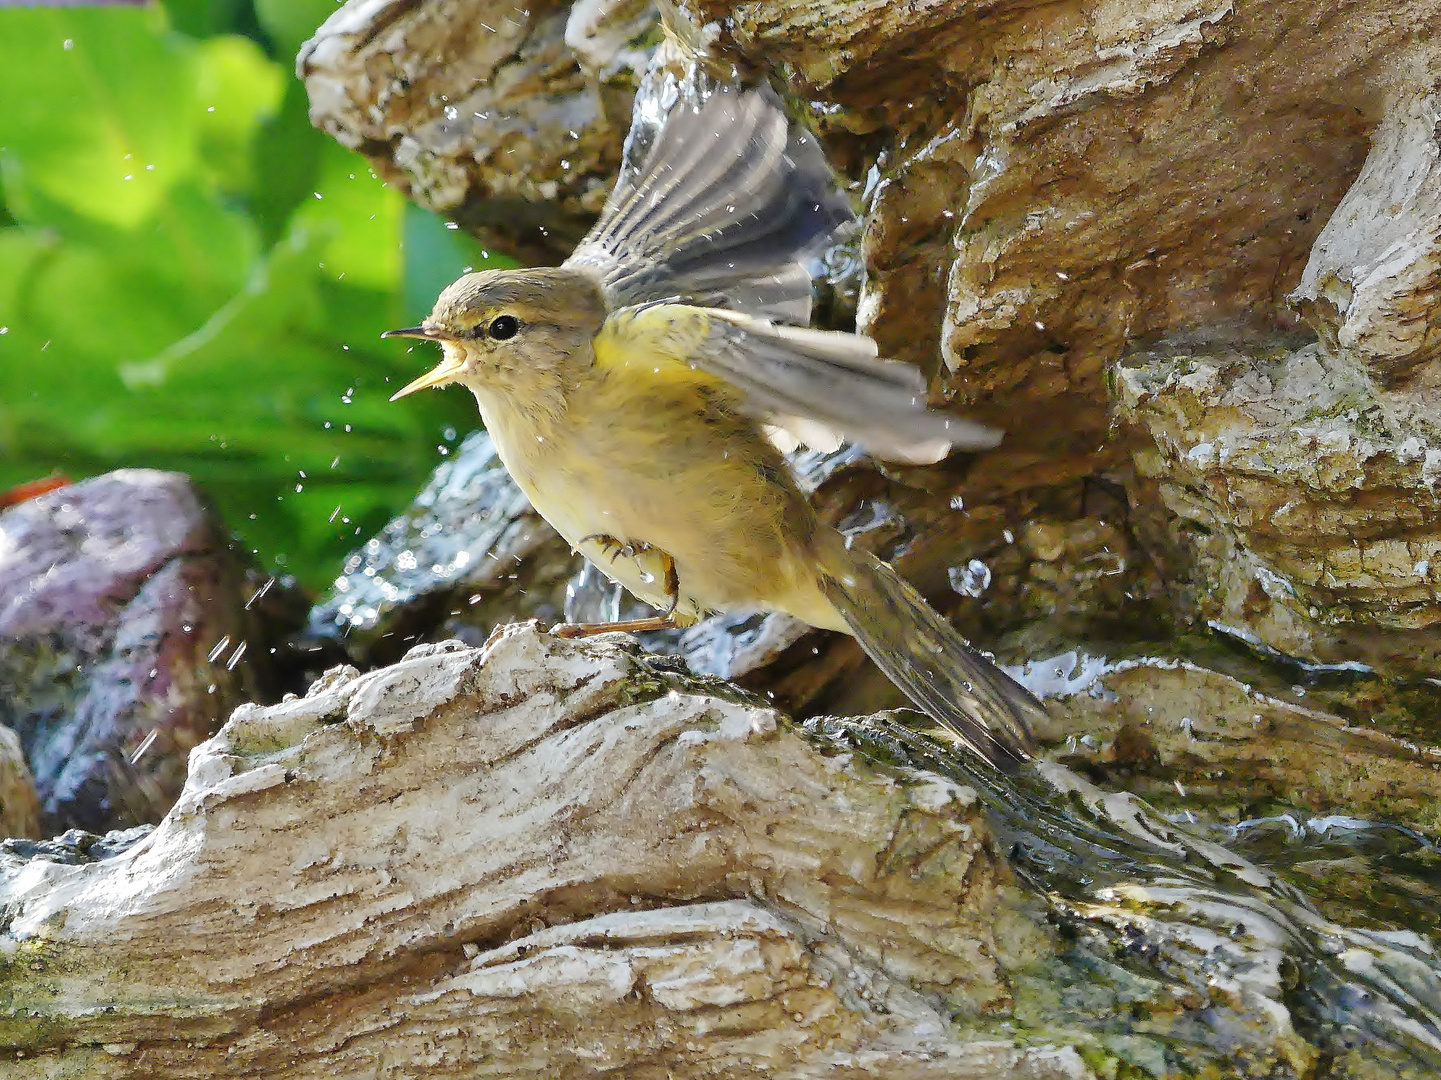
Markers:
443,867
560,859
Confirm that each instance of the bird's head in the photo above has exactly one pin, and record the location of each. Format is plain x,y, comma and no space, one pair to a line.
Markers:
510,332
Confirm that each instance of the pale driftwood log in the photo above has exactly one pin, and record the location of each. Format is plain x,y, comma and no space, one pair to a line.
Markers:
540,859
562,859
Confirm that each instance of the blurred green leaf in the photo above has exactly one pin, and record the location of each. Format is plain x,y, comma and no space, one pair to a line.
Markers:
203,18
239,88
435,255
210,315
361,221
287,153
126,131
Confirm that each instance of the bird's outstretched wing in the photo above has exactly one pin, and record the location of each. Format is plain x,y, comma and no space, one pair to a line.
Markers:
819,386
727,203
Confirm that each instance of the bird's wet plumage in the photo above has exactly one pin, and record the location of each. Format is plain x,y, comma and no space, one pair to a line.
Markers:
629,393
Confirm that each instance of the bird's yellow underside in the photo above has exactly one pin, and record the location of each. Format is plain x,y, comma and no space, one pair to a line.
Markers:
652,451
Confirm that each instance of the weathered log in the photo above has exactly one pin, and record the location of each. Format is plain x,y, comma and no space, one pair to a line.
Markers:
551,859
457,859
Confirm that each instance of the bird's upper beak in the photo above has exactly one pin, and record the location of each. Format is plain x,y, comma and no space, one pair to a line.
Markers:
444,372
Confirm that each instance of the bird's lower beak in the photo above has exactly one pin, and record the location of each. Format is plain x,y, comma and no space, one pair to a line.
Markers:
445,372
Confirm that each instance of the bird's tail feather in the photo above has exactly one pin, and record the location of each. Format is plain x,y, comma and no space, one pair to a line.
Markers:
924,655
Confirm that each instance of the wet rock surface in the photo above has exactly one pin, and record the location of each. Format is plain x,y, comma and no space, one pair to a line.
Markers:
1191,738
705,887
129,628
1287,503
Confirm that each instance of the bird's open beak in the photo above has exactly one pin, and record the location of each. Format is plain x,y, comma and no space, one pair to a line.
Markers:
445,372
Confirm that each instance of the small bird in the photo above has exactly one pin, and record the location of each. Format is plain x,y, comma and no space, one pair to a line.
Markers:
635,394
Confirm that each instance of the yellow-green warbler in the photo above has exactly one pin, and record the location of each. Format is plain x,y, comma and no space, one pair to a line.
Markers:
633,391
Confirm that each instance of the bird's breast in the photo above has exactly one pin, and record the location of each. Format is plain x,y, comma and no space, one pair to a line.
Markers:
660,467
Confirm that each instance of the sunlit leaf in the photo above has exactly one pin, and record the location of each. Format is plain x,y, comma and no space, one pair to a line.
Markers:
97,109
238,87
219,319
361,218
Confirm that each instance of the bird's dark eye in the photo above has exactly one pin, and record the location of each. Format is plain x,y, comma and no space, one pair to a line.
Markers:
503,327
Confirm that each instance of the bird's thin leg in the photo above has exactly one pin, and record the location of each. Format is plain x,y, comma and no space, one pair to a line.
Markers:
628,626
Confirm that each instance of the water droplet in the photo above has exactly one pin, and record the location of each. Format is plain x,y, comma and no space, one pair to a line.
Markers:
451,112
145,745
68,44
973,579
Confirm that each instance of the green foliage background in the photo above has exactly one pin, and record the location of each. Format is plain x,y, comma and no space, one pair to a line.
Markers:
193,278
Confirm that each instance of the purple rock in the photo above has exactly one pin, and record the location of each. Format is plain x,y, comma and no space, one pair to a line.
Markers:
130,626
